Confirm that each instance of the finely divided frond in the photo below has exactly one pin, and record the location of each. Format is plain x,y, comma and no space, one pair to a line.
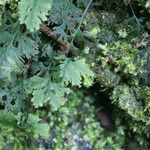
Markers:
33,12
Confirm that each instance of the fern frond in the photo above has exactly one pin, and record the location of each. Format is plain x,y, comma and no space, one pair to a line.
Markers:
15,45
74,71
33,12
44,91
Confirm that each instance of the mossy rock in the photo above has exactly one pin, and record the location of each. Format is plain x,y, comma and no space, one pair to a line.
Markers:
117,68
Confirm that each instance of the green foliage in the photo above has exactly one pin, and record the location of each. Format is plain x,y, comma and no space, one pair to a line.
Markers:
120,66
73,71
38,128
33,12
45,91
46,51
17,129
68,18
66,15
33,74
72,126
127,101
14,46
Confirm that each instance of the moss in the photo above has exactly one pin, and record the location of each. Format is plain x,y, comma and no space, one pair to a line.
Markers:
73,126
122,68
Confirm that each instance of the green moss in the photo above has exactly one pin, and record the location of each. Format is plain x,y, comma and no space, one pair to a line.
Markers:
121,68
73,126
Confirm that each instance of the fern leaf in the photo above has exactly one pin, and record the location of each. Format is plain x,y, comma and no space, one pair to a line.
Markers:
16,45
38,127
44,91
67,17
33,12
13,100
74,71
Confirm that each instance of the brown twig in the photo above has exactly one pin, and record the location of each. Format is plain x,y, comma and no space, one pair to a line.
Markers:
138,45
65,46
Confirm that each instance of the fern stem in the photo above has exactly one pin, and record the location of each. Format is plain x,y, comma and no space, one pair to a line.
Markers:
83,15
137,21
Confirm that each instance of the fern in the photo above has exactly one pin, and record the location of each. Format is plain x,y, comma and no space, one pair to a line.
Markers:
13,95
74,71
36,126
31,123
48,81
68,18
43,47
33,12
33,74
15,44
44,91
